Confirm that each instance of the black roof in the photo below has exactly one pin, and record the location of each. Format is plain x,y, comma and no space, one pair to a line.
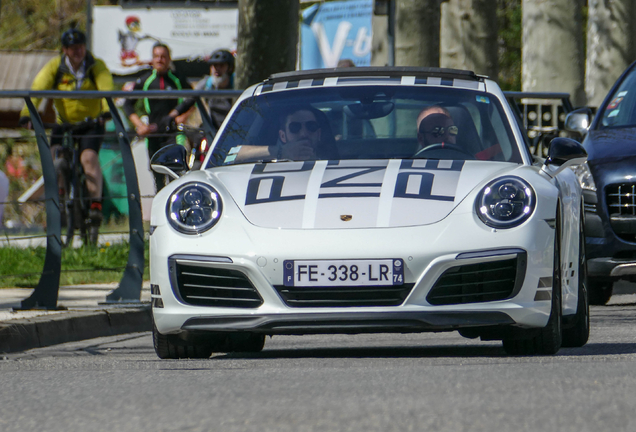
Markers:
387,71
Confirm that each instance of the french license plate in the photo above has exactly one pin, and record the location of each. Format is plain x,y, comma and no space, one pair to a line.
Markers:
325,273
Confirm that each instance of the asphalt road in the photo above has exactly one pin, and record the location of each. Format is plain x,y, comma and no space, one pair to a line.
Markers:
415,382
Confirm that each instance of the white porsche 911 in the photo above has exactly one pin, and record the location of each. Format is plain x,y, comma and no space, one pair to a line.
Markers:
368,200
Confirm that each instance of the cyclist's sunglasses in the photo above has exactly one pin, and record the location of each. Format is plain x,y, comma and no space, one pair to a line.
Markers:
440,130
312,126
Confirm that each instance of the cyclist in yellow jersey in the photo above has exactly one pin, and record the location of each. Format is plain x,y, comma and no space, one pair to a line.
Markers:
76,69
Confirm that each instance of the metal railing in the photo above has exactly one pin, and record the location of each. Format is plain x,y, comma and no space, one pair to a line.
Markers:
542,116
45,294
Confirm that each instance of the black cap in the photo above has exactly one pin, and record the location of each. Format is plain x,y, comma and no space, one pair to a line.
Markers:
73,37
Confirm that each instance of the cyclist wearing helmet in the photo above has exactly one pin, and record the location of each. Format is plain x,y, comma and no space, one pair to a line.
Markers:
76,69
221,78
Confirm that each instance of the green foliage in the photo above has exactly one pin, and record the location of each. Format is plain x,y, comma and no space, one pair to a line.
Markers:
510,30
38,24
22,267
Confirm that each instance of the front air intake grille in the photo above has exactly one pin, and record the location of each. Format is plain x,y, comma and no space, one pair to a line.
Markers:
481,282
343,296
204,285
621,199
621,202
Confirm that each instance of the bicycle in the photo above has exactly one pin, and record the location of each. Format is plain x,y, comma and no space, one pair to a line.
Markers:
74,199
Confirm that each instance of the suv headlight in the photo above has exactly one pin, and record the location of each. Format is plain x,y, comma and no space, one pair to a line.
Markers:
194,208
505,202
584,175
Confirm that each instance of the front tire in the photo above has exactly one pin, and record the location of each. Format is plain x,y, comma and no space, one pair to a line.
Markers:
578,335
548,340
171,347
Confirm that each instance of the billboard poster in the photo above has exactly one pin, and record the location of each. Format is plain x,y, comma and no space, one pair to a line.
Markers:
123,37
334,31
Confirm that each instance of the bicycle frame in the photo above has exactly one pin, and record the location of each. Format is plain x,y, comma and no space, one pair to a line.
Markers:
77,198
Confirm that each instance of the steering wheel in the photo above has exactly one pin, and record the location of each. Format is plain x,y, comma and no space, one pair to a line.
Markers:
444,147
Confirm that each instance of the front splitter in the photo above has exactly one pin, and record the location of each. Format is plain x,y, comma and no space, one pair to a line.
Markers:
348,323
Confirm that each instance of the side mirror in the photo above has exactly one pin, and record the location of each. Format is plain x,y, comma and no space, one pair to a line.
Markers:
170,160
563,153
578,120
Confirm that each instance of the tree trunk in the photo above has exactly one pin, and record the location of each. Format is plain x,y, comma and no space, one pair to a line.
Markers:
469,36
267,39
380,43
417,33
553,57
611,29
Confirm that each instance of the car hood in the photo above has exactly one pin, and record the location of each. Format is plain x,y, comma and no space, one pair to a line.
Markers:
353,194
610,145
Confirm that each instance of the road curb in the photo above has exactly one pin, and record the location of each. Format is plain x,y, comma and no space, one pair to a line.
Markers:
28,333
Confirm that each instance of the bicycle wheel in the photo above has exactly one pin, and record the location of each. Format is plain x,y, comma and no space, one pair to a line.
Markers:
93,234
84,205
77,206
89,227
73,216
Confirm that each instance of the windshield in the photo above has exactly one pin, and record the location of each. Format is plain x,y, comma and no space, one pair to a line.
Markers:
367,122
621,108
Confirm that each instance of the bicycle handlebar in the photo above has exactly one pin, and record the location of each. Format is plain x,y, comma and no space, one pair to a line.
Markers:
182,127
73,127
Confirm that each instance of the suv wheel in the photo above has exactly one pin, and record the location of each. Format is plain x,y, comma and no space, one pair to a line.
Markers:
599,290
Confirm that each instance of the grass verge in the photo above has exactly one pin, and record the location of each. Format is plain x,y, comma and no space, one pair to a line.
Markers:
85,265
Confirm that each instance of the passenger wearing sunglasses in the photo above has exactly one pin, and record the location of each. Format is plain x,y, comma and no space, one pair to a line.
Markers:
299,135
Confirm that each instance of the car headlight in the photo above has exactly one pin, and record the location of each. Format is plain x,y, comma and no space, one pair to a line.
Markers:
194,208
505,202
584,175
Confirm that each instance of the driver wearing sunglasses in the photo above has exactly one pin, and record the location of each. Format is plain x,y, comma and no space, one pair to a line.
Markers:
436,126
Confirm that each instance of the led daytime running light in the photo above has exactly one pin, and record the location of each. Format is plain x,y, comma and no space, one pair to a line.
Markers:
194,208
505,202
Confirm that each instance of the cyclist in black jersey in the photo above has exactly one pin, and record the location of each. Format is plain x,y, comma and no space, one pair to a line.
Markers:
161,128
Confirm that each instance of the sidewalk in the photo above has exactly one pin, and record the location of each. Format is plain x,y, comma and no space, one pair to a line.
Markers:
84,315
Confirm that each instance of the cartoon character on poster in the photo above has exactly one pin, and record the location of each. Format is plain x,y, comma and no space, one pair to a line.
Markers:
129,41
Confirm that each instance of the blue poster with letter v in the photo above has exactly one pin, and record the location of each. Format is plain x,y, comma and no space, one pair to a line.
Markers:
334,31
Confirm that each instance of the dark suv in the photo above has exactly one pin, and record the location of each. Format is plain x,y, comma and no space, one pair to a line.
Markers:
608,179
